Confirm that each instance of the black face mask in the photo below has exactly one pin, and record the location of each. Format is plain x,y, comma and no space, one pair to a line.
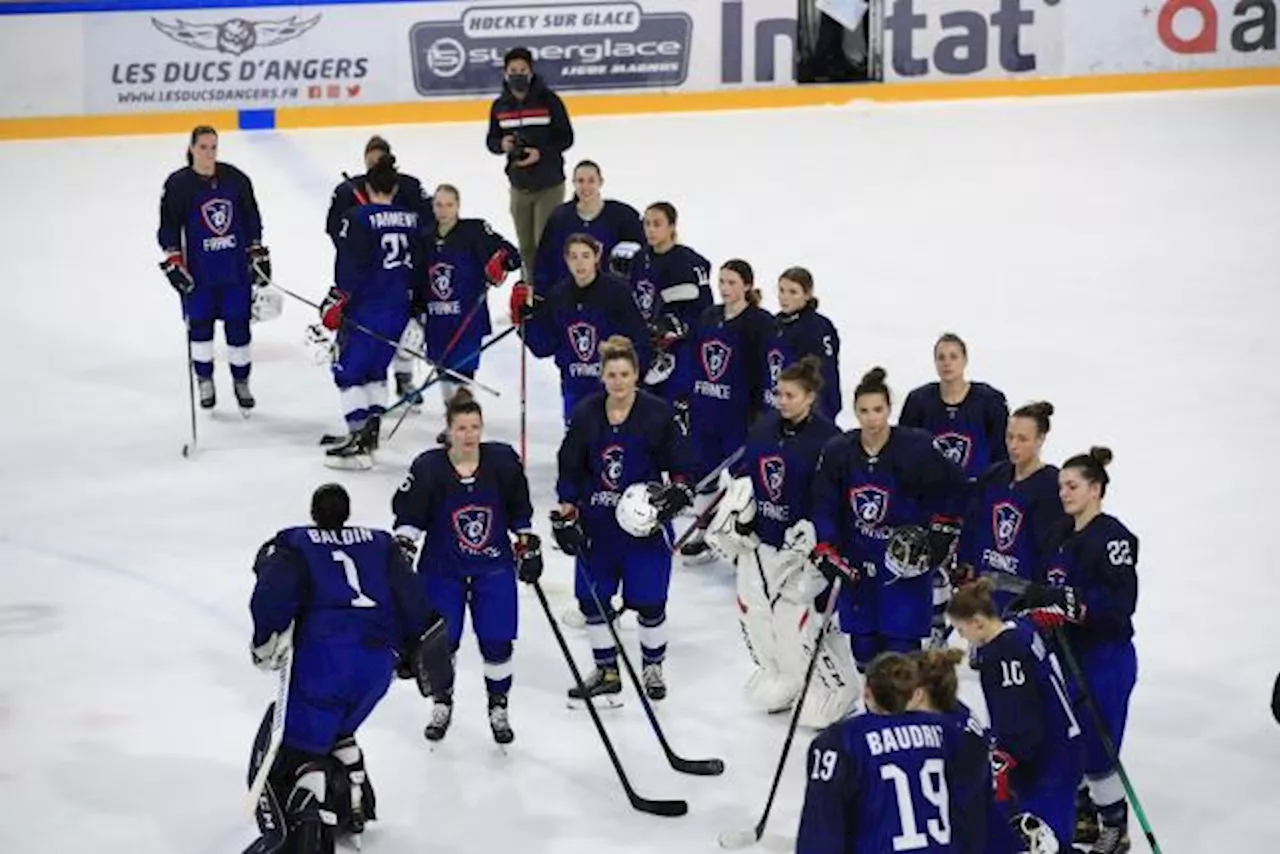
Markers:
519,83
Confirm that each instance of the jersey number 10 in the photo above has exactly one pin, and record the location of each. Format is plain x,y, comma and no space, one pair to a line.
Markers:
353,579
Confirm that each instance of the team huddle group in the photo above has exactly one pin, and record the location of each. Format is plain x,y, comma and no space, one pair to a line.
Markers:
857,551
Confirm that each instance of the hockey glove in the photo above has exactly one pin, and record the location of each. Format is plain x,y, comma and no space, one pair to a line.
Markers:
681,408
1002,765
528,549
260,265
673,498
332,307
175,270
832,565
408,547
430,661
667,330
622,258
499,264
568,533
960,574
269,655
1049,607
521,305
944,537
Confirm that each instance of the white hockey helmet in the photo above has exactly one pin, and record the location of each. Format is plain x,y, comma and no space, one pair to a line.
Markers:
268,304
635,511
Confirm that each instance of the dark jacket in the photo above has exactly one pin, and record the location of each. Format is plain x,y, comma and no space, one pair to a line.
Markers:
539,121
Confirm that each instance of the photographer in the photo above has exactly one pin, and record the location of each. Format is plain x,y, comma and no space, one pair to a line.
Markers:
529,125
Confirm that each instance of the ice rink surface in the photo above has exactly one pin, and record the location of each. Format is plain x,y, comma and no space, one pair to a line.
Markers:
1116,256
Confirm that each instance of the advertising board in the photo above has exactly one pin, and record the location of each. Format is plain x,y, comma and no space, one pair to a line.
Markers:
972,39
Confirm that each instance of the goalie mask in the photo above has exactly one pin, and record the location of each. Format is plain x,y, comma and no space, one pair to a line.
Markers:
1033,836
268,304
907,555
635,511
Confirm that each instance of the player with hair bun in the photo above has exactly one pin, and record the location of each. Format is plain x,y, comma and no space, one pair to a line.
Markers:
576,316
799,331
469,506
763,525
1036,761
1090,588
1014,508
211,235
873,492
615,511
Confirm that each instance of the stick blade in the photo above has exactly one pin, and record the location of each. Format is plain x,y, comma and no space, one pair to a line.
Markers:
663,808
699,767
734,840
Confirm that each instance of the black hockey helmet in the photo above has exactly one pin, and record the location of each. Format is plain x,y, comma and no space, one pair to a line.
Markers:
330,506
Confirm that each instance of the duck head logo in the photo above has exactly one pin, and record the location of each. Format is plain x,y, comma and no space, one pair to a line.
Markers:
235,36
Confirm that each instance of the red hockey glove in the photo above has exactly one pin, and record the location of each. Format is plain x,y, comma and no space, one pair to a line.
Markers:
1049,607
331,309
521,302
175,270
498,265
832,565
1002,765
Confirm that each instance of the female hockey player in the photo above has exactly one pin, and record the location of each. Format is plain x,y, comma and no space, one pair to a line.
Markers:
800,331
612,223
211,235
337,604
462,502
378,253
1036,761
671,284
1091,588
763,526
614,513
728,379
872,493
463,258
409,194
879,781
1013,510
578,314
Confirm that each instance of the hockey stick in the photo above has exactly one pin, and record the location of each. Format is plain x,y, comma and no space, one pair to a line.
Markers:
189,449
663,808
701,521
524,397
734,839
277,720
700,767
377,336
448,351
1105,736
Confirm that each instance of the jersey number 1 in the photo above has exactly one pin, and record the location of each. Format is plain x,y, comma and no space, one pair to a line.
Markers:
933,786
353,579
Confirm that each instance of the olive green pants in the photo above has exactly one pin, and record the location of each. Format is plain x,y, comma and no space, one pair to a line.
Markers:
530,210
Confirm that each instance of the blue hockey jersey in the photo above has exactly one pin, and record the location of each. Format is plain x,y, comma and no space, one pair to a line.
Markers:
617,222
726,387
213,220
455,281
781,459
970,433
799,334
465,520
409,194
880,783
597,460
1100,563
676,282
378,260
573,321
1008,522
973,805
348,587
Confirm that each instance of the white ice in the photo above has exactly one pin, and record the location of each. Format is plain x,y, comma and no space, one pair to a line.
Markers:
1117,256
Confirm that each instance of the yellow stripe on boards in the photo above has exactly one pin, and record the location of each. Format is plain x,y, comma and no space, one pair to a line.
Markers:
434,112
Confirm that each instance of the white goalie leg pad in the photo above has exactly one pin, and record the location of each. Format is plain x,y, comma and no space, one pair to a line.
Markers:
836,688
756,618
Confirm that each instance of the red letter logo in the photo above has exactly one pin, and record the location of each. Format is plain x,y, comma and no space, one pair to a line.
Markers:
1206,41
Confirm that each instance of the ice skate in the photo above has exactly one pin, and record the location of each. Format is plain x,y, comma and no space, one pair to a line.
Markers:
1087,829
405,391
574,618
441,717
244,397
696,552
498,719
1111,840
208,392
603,686
654,685
356,453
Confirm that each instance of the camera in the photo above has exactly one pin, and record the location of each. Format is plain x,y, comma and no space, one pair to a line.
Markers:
519,149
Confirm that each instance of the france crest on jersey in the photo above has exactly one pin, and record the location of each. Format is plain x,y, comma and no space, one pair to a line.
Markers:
870,505
473,526
441,276
715,358
646,297
773,475
584,340
1006,524
956,447
612,465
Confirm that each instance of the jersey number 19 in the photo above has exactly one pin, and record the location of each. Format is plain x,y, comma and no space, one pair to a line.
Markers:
933,787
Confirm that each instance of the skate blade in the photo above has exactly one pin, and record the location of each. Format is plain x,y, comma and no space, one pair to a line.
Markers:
361,463
601,701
